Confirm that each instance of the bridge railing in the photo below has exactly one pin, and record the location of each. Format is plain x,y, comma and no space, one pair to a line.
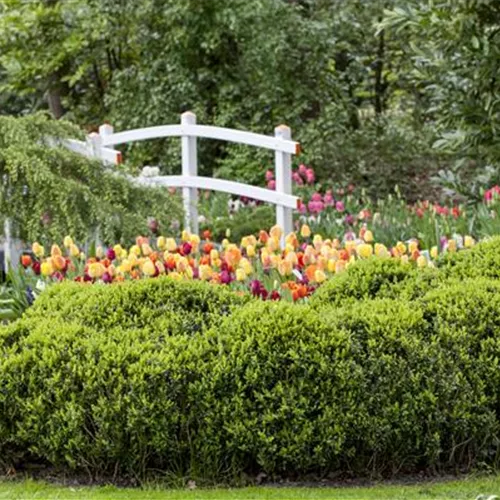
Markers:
189,131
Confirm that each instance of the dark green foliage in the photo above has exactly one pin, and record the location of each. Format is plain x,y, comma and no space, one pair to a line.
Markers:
482,260
49,192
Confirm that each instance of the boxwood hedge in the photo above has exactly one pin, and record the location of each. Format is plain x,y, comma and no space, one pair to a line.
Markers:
190,379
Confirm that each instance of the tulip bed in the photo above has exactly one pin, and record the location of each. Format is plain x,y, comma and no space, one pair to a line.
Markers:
387,368
262,266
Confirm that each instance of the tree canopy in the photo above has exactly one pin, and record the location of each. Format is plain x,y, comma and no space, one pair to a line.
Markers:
380,93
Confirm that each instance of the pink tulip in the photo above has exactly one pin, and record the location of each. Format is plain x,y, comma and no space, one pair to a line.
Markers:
316,197
301,207
339,206
269,175
302,169
315,207
297,179
310,176
328,199
271,185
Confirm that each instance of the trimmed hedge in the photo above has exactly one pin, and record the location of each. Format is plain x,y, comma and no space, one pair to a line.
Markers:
483,260
375,277
159,304
380,385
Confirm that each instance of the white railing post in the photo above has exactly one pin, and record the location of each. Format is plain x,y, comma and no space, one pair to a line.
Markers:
189,169
283,166
105,130
7,245
94,145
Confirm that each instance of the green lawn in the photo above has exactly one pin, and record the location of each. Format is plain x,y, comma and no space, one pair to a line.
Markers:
467,489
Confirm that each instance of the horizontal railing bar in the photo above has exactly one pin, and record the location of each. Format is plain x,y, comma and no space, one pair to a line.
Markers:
205,131
236,188
107,154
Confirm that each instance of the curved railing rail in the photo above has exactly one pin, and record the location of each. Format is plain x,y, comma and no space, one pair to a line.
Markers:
101,146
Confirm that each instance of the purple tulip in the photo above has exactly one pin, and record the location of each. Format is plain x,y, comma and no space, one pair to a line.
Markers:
225,278
106,278
255,287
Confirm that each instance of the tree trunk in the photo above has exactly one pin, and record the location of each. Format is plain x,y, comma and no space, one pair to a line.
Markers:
379,78
55,102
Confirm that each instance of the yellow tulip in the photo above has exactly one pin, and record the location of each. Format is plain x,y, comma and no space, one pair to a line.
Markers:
319,276
205,272
38,249
240,275
74,251
146,249
401,247
452,246
55,250
332,263
285,268
67,241
47,268
214,255
317,241
292,258
251,250
368,236
246,266
364,250
99,252
413,246
185,235
135,250
434,252
189,272
305,231
276,232
244,242
381,250
161,243
469,242
148,268
405,259
292,241
275,260
421,261
126,266
273,244
96,270
171,245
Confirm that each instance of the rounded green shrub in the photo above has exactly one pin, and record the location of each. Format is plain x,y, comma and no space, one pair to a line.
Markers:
159,303
375,277
483,260
294,392
465,318
377,385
